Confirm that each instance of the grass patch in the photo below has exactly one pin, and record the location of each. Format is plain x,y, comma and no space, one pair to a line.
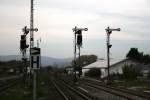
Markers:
42,83
20,92
138,85
16,93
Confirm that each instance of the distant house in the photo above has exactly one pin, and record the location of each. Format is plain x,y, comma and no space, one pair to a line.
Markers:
116,66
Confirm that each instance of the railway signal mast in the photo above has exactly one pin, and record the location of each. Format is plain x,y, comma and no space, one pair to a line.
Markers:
77,43
23,49
23,44
34,52
109,31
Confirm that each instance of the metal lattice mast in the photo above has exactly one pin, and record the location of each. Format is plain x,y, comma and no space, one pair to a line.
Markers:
32,25
31,46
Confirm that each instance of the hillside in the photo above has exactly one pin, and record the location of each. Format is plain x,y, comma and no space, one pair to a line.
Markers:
45,61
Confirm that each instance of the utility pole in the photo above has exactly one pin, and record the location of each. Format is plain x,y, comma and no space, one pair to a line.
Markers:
109,31
77,42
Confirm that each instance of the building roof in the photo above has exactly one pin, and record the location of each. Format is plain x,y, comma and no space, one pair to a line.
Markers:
103,63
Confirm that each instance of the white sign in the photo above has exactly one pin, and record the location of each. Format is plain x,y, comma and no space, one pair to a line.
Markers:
35,61
35,58
35,51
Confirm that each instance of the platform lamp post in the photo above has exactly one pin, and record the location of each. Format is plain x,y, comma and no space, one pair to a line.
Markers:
77,43
109,31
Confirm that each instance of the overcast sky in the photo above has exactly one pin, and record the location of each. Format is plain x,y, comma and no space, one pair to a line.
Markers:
56,18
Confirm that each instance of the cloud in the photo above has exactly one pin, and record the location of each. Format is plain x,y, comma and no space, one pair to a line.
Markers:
56,18
18,3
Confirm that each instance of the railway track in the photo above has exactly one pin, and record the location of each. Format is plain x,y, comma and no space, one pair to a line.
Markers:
122,94
55,93
69,92
6,84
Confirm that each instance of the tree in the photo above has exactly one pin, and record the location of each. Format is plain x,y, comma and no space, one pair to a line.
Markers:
94,72
133,54
85,60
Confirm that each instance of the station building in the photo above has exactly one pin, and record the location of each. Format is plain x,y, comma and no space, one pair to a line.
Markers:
116,66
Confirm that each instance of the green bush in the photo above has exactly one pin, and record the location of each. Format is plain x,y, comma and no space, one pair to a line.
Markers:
148,75
94,72
130,72
116,76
